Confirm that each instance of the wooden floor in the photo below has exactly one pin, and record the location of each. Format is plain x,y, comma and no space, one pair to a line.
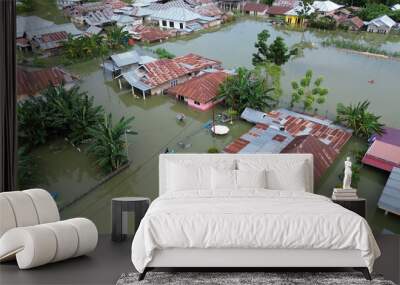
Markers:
110,260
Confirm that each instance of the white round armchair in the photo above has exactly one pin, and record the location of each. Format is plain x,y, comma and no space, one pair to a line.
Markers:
31,231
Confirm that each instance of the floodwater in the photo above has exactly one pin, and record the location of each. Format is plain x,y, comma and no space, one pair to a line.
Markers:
71,173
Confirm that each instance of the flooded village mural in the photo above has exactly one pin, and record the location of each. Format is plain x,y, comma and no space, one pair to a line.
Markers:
104,87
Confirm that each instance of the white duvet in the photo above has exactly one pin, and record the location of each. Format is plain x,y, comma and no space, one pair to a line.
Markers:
250,219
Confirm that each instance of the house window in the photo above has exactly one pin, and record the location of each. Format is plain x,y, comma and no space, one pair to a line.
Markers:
164,23
196,102
171,24
174,82
181,26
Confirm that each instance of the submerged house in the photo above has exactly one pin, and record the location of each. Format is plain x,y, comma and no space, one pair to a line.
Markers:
384,152
31,83
284,131
353,23
155,77
26,24
200,91
293,16
148,34
50,39
255,9
381,25
125,62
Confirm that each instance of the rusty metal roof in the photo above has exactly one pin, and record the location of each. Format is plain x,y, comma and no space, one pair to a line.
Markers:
202,88
256,7
323,154
164,70
31,82
195,62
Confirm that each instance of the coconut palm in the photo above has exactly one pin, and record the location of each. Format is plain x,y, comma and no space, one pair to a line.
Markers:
108,145
117,38
358,118
247,88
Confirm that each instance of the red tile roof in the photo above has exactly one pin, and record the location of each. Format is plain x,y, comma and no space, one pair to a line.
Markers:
31,82
278,10
195,62
202,88
324,155
255,7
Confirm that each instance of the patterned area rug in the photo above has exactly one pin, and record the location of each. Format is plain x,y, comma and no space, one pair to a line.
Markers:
243,278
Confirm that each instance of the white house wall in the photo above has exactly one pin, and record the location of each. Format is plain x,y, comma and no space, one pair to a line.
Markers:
176,25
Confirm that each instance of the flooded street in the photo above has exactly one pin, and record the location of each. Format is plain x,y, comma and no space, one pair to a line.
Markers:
71,172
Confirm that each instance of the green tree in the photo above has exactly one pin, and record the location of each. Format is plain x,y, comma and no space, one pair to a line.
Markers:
33,118
308,91
360,119
117,38
267,2
277,53
26,169
373,10
108,144
73,113
163,53
247,88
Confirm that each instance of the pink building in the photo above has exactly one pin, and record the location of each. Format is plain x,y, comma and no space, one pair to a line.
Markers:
200,91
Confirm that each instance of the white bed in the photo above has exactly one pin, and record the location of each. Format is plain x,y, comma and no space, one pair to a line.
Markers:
232,226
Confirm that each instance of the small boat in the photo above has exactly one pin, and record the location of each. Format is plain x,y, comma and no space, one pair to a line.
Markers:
220,129
180,117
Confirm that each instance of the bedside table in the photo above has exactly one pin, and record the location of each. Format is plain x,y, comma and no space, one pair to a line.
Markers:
358,206
119,214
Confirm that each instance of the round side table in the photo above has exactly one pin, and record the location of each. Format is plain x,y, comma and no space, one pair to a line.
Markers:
120,207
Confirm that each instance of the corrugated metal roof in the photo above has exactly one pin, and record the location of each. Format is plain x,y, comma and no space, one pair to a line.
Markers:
203,88
290,132
195,62
390,136
278,10
382,155
326,6
178,14
31,23
125,58
256,7
32,82
390,198
323,154
384,20
69,28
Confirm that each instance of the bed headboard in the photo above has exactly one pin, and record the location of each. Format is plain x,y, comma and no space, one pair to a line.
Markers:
207,159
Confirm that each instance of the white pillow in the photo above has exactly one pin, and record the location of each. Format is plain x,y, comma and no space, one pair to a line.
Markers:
223,179
183,177
251,178
293,180
282,174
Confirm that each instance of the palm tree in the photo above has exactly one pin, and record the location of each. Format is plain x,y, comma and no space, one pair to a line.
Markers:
117,38
108,145
358,118
247,88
